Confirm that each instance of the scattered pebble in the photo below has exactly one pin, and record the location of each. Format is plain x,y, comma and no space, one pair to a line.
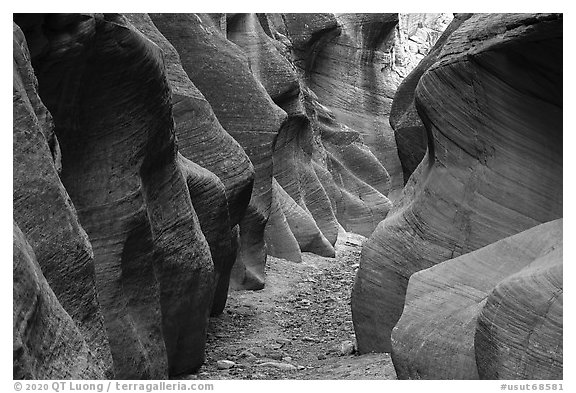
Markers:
225,364
346,348
280,366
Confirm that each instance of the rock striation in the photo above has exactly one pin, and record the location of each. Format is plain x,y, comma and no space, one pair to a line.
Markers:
494,313
346,61
218,171
105,85
221,71
492,108
409,131
57,316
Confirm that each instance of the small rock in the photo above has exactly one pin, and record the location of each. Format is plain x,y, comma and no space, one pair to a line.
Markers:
356,266
247,355
280,366
275,355
225,364
283,341
321,356
301,367
346,348
257,351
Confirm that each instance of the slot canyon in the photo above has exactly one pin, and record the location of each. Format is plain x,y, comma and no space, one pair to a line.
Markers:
287,196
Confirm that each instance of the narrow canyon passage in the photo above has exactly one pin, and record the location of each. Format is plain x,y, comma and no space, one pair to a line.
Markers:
298,327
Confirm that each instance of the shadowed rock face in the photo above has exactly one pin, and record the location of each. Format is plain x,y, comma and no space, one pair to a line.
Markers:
494,313
47,342
409,131
492,108
346,60
324,168
56,309
220,70
218,171
104,83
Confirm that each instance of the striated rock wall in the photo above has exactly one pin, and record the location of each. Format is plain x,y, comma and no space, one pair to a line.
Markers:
409,131
106,87
346,61
221,71
492,107
56,309
494,313
47,343
218,171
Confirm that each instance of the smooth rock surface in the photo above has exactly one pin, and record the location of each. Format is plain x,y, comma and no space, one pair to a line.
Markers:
492,107
455,313
106,87
207,150
409,131
221,71
47,343
44,212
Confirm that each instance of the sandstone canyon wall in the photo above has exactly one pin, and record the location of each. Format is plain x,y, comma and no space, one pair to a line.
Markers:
491,105
158,160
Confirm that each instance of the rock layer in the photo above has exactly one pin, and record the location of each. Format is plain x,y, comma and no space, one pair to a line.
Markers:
409,131
48,219
498,307
492,108
47,342
218,171
220,70
346,61
104,83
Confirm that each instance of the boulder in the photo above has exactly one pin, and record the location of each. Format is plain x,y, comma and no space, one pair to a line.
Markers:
486,310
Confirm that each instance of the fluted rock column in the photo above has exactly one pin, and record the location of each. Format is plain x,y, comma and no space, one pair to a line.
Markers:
218,171
106,87
47,342
61,267
220,70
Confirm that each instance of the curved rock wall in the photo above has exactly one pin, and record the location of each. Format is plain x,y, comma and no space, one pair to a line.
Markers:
346,61
409,131
494,313
57,315
105,85
221,71
492,108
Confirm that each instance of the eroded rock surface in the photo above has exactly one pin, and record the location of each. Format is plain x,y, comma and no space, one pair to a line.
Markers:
494,313
409,131
104,83
221,71
55,251
492,107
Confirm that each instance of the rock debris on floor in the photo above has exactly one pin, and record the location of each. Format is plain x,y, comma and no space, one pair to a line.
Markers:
298,327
